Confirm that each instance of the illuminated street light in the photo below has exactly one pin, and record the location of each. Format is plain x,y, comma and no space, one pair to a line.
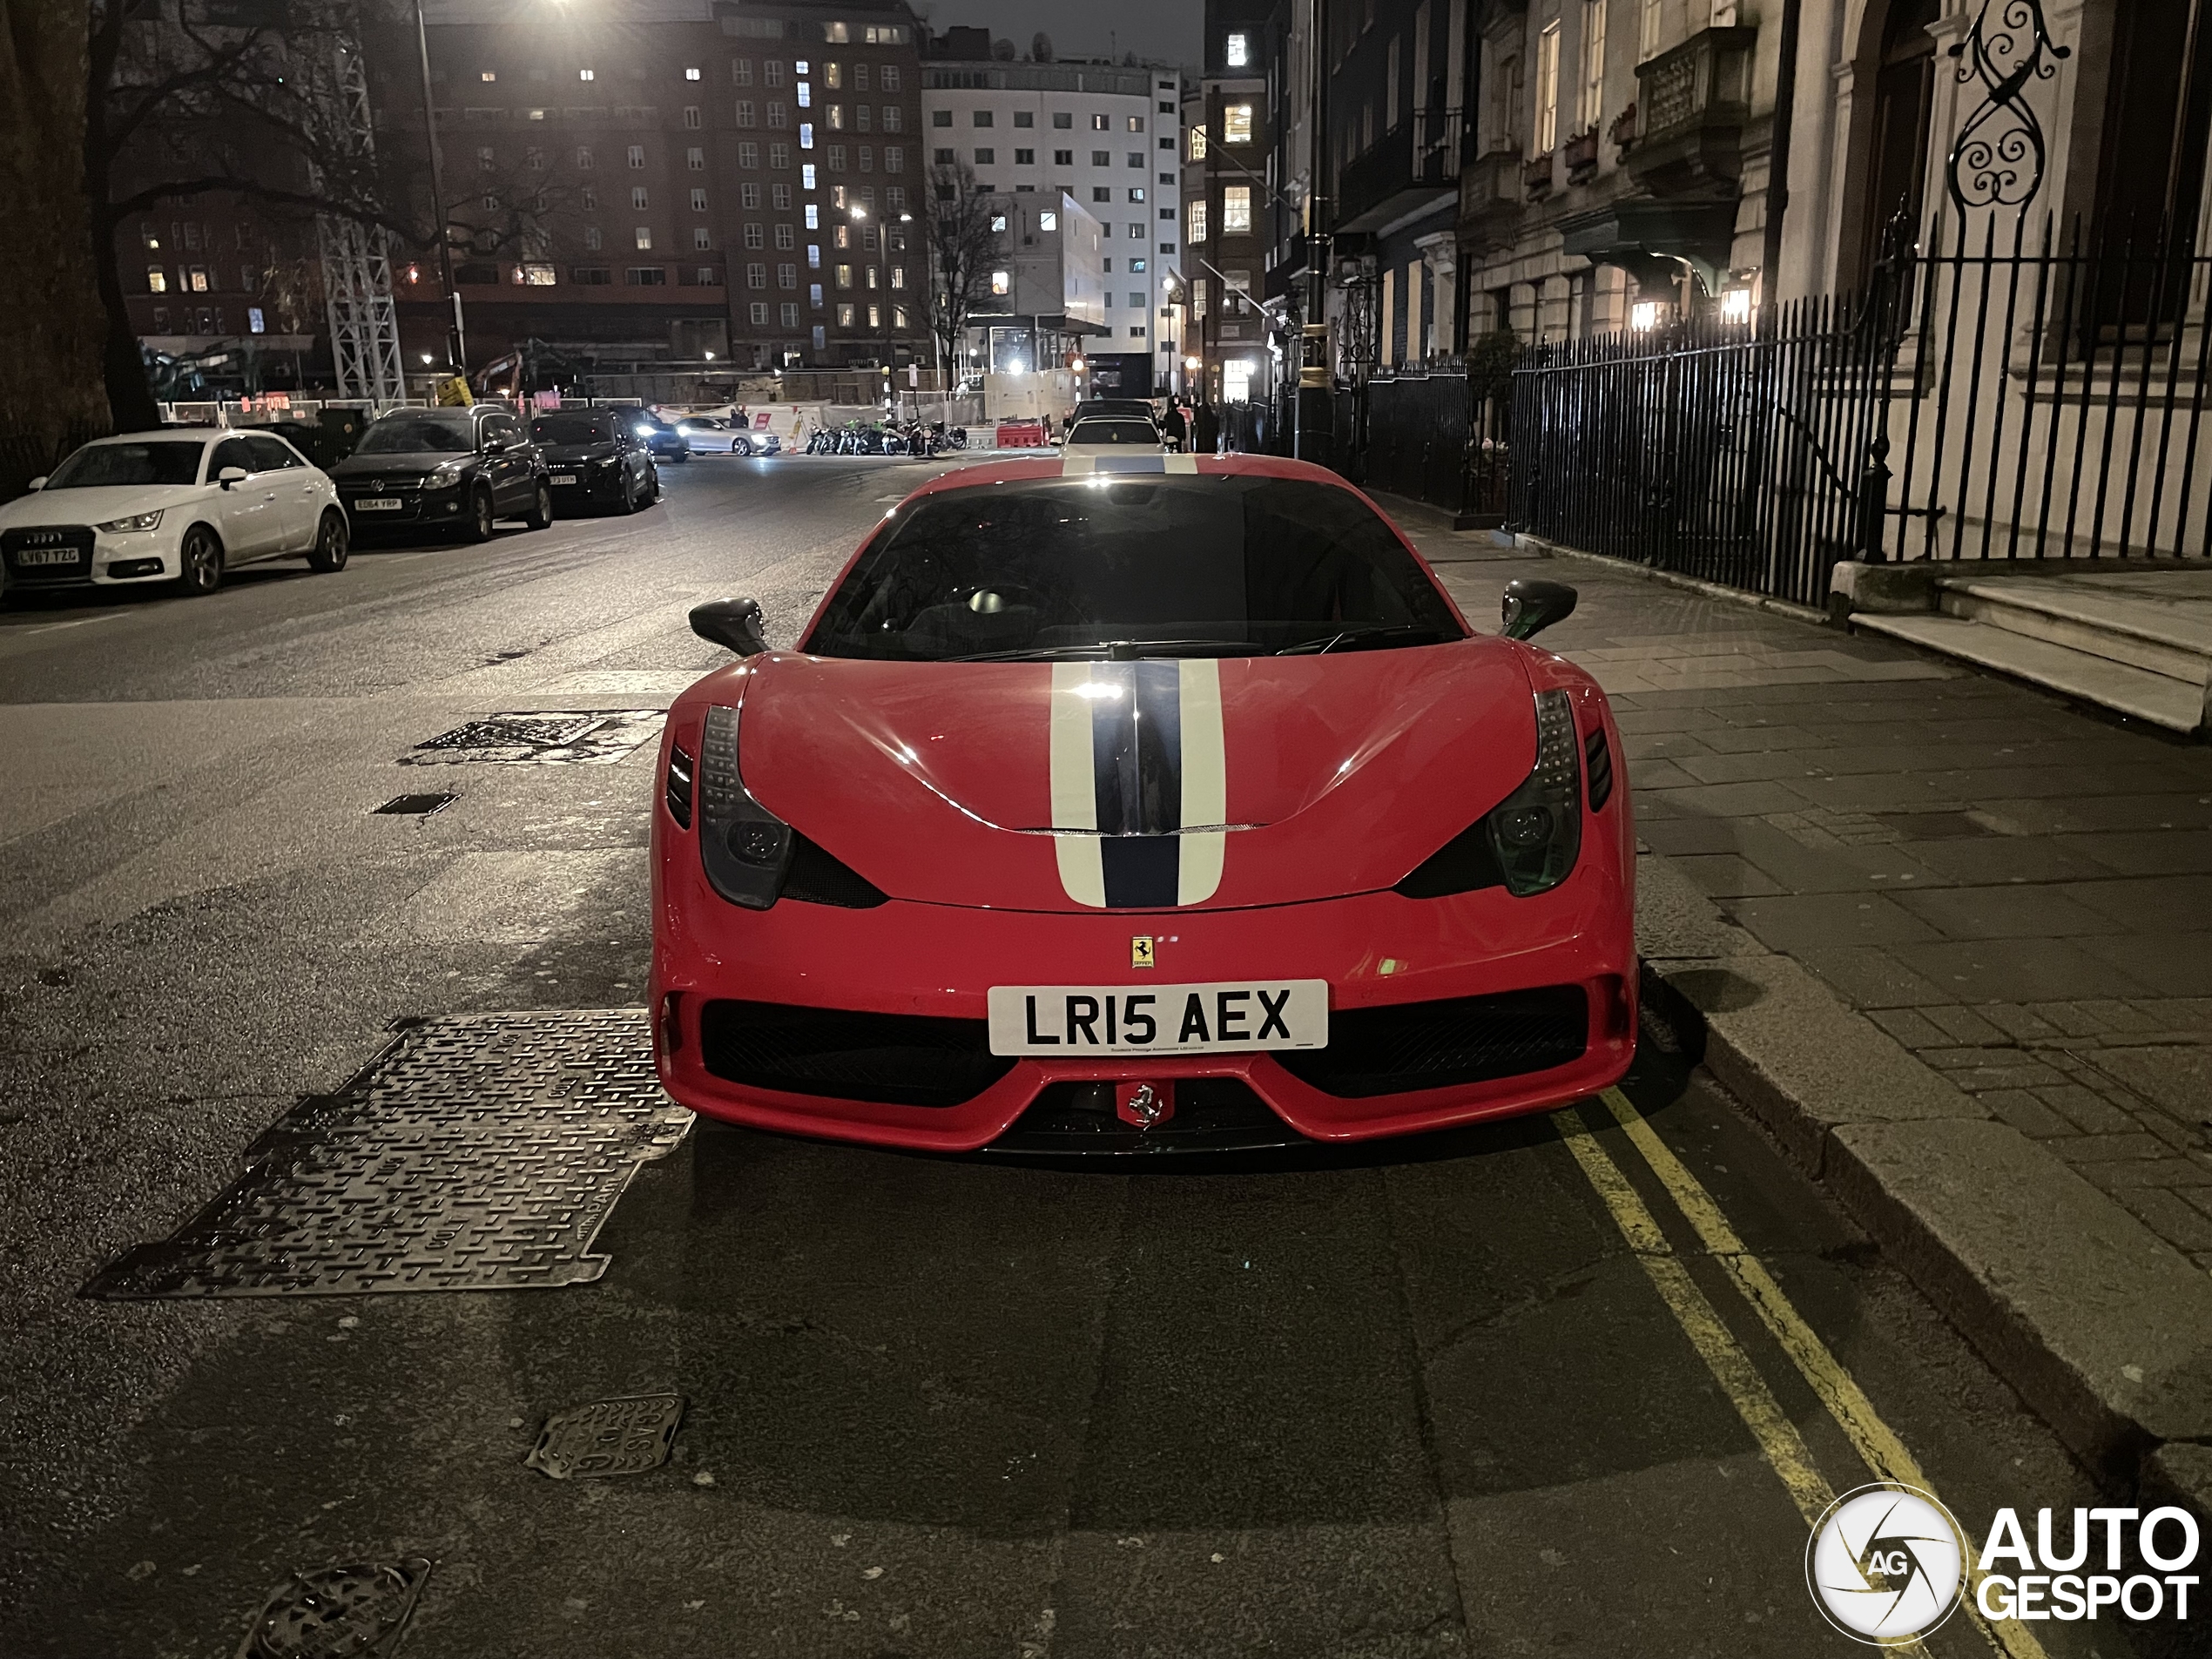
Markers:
1192,364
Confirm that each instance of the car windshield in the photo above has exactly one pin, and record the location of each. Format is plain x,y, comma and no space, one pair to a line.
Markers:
1097,431
1220,565
573,428
171,462
441,431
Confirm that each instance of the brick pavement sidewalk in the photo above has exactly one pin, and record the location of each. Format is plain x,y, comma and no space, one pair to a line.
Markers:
2019,893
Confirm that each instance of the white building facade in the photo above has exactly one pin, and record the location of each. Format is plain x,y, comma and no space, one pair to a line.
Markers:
1106,135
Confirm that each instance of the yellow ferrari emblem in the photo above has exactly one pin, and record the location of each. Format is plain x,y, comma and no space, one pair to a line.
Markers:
1140,951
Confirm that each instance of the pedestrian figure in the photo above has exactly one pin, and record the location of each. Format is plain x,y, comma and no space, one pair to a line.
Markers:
1176,428
1205,429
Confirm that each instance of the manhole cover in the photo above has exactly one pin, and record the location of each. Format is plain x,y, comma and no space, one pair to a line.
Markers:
626,1436
477,1152
416,806
359,1609
590,737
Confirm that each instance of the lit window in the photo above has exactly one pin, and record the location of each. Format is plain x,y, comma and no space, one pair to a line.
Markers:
695,159
644,236
587,74
844,316
691,74
1197,144
1048,221
998,224
636,155
1735,304
488,75
1547,90
807,176
1137,194
1237,124
1236,208
1240,53
701,241
537,276
157,280
1643,316
1001,282
1198,222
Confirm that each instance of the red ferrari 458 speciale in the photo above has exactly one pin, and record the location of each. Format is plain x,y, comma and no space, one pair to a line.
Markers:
1129,803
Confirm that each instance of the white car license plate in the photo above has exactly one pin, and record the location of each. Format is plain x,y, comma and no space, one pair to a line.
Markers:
1074,1021
378,504
47,555
563,477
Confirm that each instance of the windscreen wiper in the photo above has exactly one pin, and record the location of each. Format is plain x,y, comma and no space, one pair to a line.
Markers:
1355,637
1113,651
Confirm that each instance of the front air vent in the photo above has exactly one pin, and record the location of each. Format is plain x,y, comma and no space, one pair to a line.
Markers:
678,791
817,876
1598,758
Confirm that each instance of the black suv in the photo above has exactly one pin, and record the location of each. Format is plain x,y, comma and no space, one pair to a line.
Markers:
446,470
597,458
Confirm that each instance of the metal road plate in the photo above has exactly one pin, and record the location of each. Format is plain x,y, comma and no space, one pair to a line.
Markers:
557,737
477,1152
360,1608
625,1436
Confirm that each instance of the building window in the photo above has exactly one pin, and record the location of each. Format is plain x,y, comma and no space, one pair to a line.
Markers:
897,316
1001,282
837,157
1136,268
1197,144
755,276
1546,89
636,155
772,71
644,236
807,176
1235,209
940,117
1100,124
1102,193
779,198
1167,213
943,156
590,276
784,238
741,71
1049,220
646,276
982,117
843,276
695,159
488,75
787,276
157,280
876,316
814,295
749,159
898,276
1648,33
778,115
1239,52
744,111
758,312
690,115
890,78
196,278
587,74
637,196
1197,222
1136,158
534,158
779,157
892,120
807,135
1137,194
1237,124
485,160
870,275
844,316
755,236
1592,63
1063,158
1101,157
591,238
986,157
701,238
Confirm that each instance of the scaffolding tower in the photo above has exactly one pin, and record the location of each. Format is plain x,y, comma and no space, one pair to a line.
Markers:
356,257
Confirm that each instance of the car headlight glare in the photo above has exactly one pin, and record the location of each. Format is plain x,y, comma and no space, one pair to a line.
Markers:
133,522
744,847
1536,832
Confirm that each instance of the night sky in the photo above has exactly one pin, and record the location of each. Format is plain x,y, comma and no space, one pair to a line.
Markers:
1166,29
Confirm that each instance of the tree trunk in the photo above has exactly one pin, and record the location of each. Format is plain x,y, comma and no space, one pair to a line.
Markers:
129,396
52,395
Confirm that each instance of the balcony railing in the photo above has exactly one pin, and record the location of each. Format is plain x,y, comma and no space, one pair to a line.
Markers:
1696,98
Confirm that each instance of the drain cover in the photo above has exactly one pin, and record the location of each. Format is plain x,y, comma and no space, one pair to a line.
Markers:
543,738
416,806
477,1152
360,1608
626,1436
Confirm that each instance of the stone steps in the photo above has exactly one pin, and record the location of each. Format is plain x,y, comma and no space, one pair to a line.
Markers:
2091,676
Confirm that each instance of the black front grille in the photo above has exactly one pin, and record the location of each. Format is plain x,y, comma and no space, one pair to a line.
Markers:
19,546
893,1059
1211,1115
1408,1046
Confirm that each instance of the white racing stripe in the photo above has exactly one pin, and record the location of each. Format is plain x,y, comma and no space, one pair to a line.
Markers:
1205,776
1075,786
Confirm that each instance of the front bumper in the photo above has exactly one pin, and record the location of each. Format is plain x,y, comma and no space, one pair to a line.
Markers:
102,558
593,484
1376,951
417,507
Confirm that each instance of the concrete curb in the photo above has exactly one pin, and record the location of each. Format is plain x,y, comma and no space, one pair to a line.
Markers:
2103,1329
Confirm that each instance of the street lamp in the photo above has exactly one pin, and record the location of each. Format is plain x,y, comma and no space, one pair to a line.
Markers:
455,343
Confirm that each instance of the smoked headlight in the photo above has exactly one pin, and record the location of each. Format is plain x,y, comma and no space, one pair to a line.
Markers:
1527,843
135,521
744,846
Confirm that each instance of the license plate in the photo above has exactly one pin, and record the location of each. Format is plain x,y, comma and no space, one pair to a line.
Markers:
47,555
378,504
563,477
1072,1021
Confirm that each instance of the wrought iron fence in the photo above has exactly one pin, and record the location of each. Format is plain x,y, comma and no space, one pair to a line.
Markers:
1989,397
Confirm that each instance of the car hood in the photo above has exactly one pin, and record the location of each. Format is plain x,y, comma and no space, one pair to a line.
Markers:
399,461
1250,781
95,506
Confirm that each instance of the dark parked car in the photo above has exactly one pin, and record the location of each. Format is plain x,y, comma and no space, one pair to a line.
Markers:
596,459
663,437
452,470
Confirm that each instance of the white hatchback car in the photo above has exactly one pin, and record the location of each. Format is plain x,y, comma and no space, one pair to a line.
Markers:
180,503
1124,433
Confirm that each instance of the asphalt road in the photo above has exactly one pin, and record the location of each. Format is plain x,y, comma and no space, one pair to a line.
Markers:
1486,1392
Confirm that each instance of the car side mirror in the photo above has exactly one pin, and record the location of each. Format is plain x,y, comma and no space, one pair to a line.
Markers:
734,624
1531,606
230,475
39,482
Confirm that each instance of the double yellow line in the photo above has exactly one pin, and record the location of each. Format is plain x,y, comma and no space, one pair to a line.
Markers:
1779,1442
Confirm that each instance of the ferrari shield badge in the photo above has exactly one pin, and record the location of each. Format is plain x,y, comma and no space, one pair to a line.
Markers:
1140,951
